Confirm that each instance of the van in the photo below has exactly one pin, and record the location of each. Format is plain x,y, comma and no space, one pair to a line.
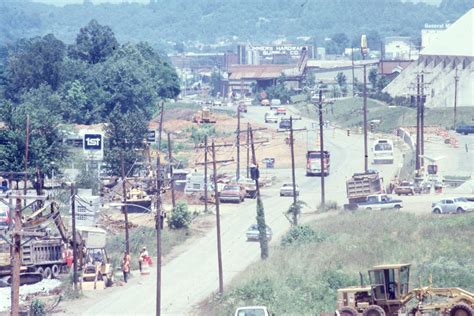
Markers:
275,103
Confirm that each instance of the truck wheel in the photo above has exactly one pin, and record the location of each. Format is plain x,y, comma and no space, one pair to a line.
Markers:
347,311
374,310
461,309
40,270
47,273
55,270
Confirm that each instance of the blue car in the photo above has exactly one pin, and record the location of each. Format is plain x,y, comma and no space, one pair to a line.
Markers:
465,129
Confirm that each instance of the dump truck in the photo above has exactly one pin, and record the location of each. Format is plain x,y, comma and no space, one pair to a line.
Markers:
204,116
360,186
389,294
313,162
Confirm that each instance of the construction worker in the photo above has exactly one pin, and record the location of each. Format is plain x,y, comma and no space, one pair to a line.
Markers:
142,258
126,266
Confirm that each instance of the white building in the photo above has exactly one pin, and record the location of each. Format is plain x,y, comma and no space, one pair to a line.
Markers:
399,48
431,33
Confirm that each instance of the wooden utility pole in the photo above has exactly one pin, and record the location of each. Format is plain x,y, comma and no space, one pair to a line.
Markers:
158,224
293,176
422,120
366,151
456,79
321,149
170,159
248,150
74,240
27,145
353,74
205,175
124,206
16,261
260,211
160,126
218,222
238,143
417,151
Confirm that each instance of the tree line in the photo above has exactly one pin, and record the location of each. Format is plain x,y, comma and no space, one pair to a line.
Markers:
94,80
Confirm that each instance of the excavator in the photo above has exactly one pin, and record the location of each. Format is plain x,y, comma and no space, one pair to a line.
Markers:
389,294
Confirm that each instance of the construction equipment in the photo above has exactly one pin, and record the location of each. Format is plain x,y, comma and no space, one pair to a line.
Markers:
388,294
204,116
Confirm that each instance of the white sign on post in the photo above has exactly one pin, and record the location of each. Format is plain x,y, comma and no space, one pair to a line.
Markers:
93,145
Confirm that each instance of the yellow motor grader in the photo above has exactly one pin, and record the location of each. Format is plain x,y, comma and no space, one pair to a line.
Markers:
389,294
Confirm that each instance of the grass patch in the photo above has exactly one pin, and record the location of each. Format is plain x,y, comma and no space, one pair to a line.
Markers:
144,236
348,113
302,277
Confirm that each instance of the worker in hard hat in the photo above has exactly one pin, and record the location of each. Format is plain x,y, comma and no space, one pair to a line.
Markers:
142,258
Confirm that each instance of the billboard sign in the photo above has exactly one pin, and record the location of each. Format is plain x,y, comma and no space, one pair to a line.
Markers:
94,146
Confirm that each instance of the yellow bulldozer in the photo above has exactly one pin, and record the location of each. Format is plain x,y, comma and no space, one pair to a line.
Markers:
389,294
204,116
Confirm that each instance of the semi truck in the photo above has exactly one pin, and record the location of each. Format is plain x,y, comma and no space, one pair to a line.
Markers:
313,162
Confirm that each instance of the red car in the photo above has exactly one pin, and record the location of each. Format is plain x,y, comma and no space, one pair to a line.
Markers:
4,217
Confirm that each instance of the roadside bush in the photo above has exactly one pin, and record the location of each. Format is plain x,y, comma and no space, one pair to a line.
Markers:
302,234
37,308
180,216
198,133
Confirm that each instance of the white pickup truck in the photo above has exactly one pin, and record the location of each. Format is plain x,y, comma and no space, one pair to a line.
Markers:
252,311
380,202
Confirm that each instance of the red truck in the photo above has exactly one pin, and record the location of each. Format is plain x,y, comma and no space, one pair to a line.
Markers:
313,162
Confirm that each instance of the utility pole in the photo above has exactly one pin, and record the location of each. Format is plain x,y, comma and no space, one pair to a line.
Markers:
321,149
124,207
260,211
27,145
417,151
16,261
170,159
159,227
456,79
238,143
422,120
248,151
363,50
293,176
205,174
353,75
160,128
74,240
218,222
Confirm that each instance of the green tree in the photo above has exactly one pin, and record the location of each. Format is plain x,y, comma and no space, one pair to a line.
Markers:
373,76
34,62
341,79
180,216
262,229
94,43
216,82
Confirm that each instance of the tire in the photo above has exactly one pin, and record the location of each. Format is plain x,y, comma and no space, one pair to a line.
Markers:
47,274
437,211
368,209
461,309
55,271
347,311
40,270
459,210
374,310
397,207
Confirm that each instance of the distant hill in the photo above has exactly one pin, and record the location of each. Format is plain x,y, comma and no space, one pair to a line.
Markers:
211,21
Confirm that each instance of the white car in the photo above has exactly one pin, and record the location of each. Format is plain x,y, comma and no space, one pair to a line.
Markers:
271,117
454,205
287,190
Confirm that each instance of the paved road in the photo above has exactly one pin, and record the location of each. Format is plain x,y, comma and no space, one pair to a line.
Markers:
191,276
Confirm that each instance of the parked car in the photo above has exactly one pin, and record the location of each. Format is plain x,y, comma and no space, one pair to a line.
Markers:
406,188
5,218
252,311
232,192
265,102
217,103
275,103
249,185
253,233
284,124
271,117
287,190
465,129
280,111
454,205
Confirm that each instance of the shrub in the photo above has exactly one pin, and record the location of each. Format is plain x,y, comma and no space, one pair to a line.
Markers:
302,234
180,217
37,308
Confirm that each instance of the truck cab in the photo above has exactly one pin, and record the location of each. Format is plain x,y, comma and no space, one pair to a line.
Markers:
313,162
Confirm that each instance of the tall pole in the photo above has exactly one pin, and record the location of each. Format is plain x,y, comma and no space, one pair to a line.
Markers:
321,149
417,151
422,120
293,176
218,221
353,74
238,143
160,127
260,212
205,174
170,158
366,153
27,145
16,261
159,223
456,79
124,207
74,240
248,151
